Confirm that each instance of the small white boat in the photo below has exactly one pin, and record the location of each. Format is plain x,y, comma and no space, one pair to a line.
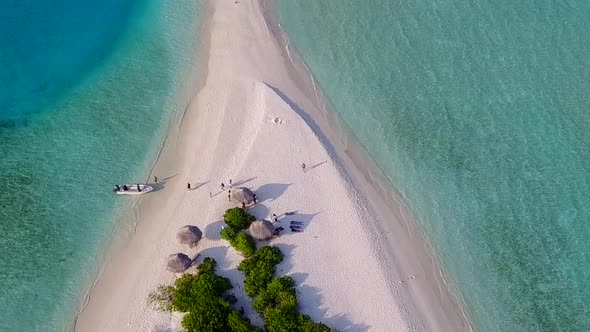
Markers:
132,189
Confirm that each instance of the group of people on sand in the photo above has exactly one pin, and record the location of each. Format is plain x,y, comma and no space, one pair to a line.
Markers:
294,226
223,186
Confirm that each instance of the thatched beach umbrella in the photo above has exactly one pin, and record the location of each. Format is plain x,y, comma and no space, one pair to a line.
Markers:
242,195
178,263
189,235
261,230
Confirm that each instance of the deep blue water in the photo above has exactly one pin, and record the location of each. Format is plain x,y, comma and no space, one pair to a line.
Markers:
50,46
87,88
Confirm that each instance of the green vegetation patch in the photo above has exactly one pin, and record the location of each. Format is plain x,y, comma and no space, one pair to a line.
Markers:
241,241
245,244
278,305
238,218
260,269
201,297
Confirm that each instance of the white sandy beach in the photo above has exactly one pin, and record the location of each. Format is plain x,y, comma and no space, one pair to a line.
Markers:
249,122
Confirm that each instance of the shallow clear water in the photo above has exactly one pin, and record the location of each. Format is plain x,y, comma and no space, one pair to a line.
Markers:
478,112
86,91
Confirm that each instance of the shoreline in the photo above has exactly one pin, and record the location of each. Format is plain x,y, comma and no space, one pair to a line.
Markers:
434,308
128,217
380,193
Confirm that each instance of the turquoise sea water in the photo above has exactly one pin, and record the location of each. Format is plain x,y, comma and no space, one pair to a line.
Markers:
479,113
87,88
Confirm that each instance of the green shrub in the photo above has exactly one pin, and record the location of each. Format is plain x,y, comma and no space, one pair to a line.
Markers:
260,269
228,234
208,266
279,293
287,318
236,323
248,264
241,241
281,319
182,293
208,316
276,299
264,255
238,218
244,243
201,297
273,255
190,291
307,325
257,280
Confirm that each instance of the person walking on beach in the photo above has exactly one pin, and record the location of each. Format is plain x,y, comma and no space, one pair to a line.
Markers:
229,197
303,167
222,186
230,184
188,186
155,179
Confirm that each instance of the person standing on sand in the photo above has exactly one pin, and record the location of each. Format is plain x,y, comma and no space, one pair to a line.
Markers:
230,183
222,186
229,197
155,179
188,186
303,167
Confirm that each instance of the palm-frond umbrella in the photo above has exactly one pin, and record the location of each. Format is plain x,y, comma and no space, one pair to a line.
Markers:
242,195
261,230
189,235
178,263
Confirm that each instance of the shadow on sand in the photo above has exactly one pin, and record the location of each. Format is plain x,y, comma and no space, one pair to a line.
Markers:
212,230
197,185
217,253
161,184
260,211
308,169
306,117
287,250
242,182
341,322
310,298
271,191
314,307
162,328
